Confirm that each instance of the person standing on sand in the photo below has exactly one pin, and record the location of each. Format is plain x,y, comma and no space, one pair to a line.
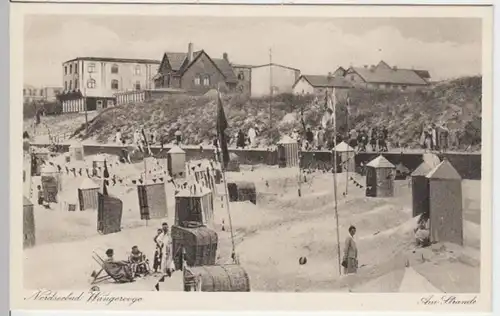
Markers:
168,267
350,260
178,137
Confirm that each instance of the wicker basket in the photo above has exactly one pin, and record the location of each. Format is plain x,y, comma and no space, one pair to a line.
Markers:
223,278
199,243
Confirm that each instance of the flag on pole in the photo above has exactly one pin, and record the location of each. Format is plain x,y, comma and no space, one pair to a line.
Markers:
221,130
330,105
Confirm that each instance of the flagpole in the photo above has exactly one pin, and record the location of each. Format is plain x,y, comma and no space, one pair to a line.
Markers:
335,182
221,159
349,158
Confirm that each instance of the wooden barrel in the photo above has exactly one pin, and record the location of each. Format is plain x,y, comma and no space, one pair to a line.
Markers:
223,278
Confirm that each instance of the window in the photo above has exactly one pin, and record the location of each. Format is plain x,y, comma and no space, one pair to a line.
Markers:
114,84
76,68
352,78
114,69
110,103
91,68
65,70
70,69
137,85
65,85
241,76
91,83
70,85
197,81
138,70
206,81
403,87
76,84
41,93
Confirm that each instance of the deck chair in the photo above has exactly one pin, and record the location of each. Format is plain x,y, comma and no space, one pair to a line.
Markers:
110,271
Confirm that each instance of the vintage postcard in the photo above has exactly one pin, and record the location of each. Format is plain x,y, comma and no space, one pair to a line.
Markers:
334,158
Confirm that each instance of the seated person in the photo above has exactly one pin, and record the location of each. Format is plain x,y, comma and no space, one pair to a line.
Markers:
422,234
138,262
119,270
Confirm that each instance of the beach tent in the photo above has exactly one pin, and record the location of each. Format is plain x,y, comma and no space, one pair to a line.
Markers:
420,188
380,178
51,183
76,151
194,204
152,200
445,204
88,194
346,154
176,161
28,224
109,214
288,152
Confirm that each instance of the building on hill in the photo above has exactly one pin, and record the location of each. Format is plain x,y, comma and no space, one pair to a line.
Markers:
265,80
33,94
319,85
194,72
382,76
92,82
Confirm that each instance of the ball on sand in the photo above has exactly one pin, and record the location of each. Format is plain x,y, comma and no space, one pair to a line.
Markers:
302,260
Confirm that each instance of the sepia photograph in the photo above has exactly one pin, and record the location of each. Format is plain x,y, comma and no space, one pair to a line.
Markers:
253,153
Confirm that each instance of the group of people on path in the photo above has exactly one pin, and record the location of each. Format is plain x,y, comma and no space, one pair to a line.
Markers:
437,137
246,140
376,138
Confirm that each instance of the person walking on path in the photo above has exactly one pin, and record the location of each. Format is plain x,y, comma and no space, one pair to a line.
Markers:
240,139
350,260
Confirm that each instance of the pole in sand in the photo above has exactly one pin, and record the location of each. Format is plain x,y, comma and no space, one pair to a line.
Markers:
335,183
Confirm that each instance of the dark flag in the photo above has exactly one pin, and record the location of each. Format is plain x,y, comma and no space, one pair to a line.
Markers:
221,131
105,173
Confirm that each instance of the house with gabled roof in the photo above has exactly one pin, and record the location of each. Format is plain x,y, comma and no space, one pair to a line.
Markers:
194,72
383,76
318,85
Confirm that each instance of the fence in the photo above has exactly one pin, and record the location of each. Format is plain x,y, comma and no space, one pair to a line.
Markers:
130,97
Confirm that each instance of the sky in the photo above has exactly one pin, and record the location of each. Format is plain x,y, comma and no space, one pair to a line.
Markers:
447,47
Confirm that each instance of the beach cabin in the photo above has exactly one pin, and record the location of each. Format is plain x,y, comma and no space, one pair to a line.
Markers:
76,151
220,278
420,189
195,244
234,163
88,192
346,154
380,178
288,152
109,214
152,200
51,183
38,159
194,204
176,162
98,161
445,204
29,238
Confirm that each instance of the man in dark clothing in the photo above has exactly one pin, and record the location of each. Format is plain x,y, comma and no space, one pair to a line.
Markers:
240,141
309,138
362,140
373,139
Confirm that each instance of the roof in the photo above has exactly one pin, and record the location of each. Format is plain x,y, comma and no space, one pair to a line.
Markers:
422,170
117,60
226,69
177,60
380,162
431,159
343,147
242,66
287,140
394,76
26,201
325,81
176,150
88,184
48,169
444,171
402,168
200,191
423,73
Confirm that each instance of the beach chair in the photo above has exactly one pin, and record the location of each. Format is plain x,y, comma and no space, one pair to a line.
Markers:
111,271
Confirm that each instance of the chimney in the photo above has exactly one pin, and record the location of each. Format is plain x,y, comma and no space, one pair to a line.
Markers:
372,68
190,52
226,58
